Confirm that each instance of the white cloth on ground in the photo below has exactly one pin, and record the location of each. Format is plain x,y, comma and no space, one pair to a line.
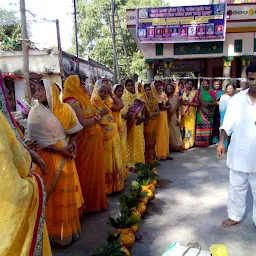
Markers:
238,188
240,119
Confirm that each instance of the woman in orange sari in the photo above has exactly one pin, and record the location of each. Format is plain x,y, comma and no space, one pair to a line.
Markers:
152,111
103,100
118,90
52,123
90,151
162,128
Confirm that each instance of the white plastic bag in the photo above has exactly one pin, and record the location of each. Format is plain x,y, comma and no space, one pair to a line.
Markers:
175,249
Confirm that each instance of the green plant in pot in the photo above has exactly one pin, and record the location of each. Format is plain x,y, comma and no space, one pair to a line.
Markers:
137,192
123,223
113,248
145,178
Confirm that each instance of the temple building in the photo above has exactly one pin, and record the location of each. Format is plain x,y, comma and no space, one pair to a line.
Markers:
215,40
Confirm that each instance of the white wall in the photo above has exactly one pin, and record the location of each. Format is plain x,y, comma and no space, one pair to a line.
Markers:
149,50
39,62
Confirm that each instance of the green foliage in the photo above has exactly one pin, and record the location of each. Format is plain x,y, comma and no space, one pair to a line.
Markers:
128,202
113,248
10,35
145,173
136,190
95,37
125,220
109,250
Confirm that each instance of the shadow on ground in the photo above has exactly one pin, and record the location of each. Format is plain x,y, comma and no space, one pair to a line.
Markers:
190,205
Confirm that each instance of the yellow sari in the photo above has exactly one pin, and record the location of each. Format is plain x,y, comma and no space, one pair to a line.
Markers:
112,146
162,128
22,227
151,105
64,196
90,151
135,137
120,125
188,121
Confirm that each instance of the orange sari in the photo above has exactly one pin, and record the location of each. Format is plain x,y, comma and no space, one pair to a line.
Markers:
90,151
64,196
112,145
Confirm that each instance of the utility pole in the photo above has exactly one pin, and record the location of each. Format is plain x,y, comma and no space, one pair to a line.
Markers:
25,48
115,63
77,54
74,1
60,50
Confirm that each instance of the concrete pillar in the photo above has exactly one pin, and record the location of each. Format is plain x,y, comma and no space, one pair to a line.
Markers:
168,63
227,61
150,69
245,62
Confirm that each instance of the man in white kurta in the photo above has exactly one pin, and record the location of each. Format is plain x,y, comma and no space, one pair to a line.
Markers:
240,120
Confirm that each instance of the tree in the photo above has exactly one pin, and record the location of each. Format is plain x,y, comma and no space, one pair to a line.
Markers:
10,32
95,36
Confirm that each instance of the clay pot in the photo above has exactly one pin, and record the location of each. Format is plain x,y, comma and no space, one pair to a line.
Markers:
141,207
154,182
148,190
134,228
144,200
152,187
127,237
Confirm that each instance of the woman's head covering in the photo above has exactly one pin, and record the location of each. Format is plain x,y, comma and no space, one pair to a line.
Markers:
72,86
161,97
114,88
5,109
96,99
49,126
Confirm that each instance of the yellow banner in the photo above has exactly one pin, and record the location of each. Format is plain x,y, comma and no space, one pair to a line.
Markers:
205,19
145,20
160,21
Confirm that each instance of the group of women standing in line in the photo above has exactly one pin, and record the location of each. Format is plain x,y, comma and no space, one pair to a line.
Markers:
202,112
88,144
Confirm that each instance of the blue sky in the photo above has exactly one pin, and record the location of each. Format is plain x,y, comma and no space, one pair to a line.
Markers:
44,34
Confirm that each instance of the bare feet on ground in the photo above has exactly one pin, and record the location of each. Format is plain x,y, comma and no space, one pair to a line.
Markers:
229,223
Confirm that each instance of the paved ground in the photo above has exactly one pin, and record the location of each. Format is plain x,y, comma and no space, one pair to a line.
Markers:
189,207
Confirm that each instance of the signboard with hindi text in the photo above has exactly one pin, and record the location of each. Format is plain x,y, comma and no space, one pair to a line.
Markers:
181,24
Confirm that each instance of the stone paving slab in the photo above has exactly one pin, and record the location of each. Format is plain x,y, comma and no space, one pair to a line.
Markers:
190,205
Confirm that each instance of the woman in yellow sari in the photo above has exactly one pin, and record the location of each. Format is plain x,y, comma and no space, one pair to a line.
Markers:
152,111
113,160
52,123
118,90
189,103
22,198
134,128
162,128
90,151
174,118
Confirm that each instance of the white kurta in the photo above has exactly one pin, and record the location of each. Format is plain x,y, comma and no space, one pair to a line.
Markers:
240,119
